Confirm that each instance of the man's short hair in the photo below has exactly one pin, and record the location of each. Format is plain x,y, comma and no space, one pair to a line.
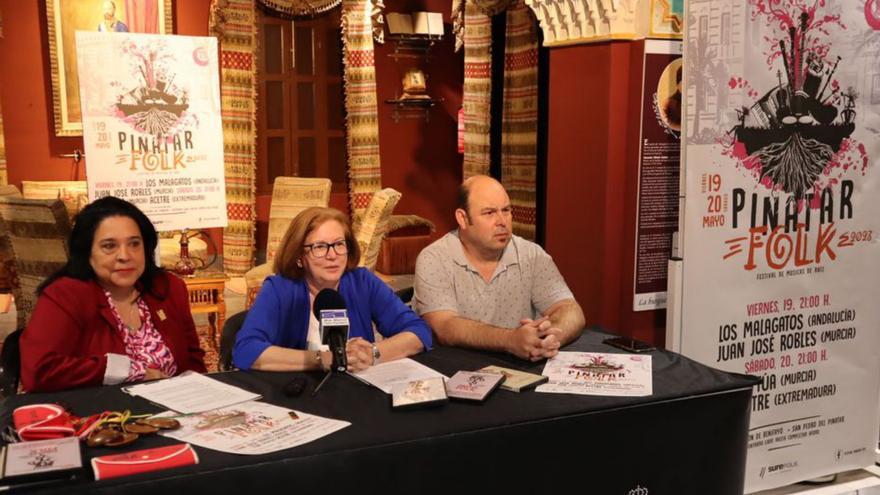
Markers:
464,192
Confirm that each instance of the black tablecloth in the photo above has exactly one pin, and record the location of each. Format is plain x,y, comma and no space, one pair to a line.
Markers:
688,437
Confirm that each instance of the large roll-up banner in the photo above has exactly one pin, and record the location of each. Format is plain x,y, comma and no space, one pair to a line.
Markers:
782,220
151,125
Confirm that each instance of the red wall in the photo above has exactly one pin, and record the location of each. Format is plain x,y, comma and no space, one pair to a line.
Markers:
26,92
592,172
418,159
32,148
591,168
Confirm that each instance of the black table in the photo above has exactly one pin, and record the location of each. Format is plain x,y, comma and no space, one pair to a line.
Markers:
689,437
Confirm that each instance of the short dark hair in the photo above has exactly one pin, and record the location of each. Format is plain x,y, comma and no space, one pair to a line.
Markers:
83,234
292,246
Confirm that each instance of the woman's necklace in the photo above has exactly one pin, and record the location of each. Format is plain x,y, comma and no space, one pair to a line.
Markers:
133,315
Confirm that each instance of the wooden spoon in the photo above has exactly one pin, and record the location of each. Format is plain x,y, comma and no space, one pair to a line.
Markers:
102,436
125,439
160,423
140,428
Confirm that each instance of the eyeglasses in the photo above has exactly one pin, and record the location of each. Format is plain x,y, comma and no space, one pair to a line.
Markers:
321,249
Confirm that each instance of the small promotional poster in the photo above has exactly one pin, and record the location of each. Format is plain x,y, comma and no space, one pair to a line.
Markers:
151,125
781,221
659,171
595,373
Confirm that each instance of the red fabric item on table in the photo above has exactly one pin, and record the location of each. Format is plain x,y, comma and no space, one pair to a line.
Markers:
144,461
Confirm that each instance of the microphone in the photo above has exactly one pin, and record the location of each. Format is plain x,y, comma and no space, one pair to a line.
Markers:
329,309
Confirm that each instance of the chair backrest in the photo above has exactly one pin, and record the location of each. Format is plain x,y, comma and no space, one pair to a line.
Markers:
227,339
6,271
33,235
10,190
74,193
10,364
371,227
290,196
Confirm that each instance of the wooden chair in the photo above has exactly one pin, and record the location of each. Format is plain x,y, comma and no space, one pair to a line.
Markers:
10,190
73,193
33,235
290,196
371,227
6,269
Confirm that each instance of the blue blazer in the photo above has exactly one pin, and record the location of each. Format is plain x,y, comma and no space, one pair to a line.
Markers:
280,315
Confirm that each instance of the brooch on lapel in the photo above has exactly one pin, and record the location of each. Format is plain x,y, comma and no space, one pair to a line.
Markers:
161,314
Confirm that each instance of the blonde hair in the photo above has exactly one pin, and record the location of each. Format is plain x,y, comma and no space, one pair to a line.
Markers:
292,247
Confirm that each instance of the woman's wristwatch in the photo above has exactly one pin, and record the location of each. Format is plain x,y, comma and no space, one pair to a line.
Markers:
376,355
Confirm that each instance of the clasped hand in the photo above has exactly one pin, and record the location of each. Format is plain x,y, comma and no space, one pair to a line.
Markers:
535,339
359,353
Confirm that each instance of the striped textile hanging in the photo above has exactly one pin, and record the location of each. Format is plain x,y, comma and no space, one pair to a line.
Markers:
234,23
362,138
291,8
477,91
519,132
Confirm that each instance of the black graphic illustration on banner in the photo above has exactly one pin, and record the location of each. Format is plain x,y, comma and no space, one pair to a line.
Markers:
155,105
793,133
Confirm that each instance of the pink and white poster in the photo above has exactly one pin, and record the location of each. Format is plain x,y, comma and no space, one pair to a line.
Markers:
151,125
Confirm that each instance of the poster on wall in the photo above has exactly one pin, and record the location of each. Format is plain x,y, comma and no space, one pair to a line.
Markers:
659,153
152,128
781,221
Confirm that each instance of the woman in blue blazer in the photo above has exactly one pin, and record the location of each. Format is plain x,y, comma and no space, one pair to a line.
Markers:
319,252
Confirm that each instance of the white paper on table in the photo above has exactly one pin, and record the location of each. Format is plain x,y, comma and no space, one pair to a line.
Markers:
595,373
266,428
384,375
191,393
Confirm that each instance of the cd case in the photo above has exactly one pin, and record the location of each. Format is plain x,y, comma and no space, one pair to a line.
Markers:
418,393
41,456
473,385
516,380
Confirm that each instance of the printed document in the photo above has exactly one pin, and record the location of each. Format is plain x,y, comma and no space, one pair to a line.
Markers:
191,393
252,428
384,375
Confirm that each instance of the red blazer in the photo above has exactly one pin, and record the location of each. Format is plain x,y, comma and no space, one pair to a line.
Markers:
72,328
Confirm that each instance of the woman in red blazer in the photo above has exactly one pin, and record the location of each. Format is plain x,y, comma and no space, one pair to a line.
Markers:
110,315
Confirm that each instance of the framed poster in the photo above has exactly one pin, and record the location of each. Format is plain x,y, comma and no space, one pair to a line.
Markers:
66,17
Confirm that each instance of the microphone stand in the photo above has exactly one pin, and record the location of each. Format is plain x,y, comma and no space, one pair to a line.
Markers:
323,381
337,349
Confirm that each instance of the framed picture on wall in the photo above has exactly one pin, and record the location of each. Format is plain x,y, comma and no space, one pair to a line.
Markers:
667,19
65,17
